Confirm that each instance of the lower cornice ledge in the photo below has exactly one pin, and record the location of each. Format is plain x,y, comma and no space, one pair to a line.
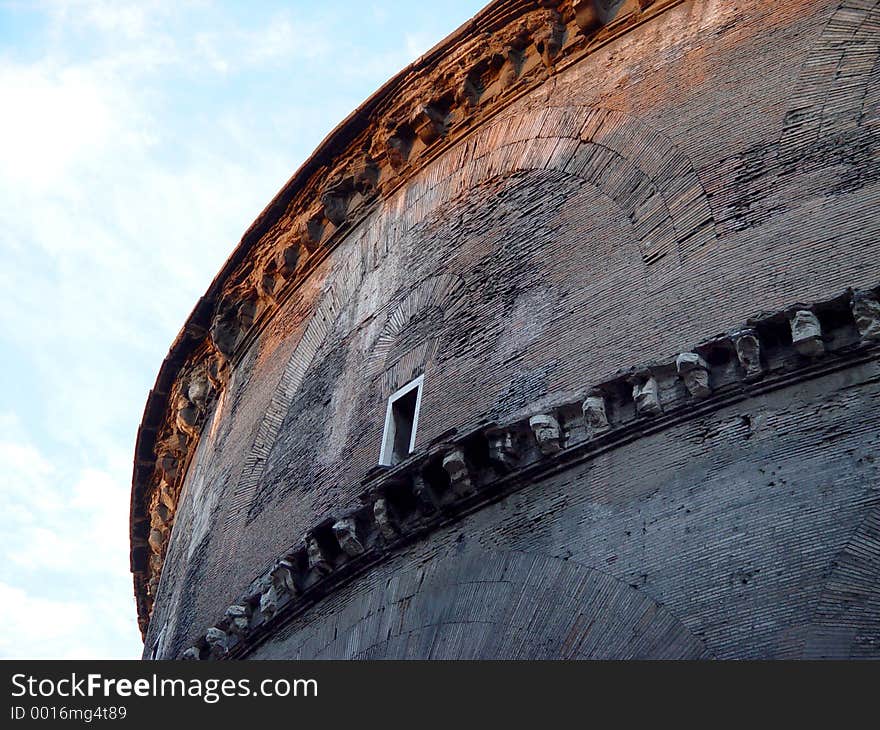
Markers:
463,473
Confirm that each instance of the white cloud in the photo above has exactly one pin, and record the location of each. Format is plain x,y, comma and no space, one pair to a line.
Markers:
127,20
64,580
281,39
111,226
37,627
48,123
113,17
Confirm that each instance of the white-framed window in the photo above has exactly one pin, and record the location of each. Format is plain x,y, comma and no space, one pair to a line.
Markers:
401,422
156,652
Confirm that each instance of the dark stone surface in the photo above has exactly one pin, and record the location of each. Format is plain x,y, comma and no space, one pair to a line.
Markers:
751,533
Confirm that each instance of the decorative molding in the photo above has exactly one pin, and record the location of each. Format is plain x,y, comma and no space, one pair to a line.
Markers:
453,478
506,50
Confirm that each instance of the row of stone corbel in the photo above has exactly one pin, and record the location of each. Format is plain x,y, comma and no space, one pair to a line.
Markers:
454,477
335,198
192,398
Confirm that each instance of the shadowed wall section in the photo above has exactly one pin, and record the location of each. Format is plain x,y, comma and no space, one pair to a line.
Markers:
834,107
845,624
319,335
481,605
602,150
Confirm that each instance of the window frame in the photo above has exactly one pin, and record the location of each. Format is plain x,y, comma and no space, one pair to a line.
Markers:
386,453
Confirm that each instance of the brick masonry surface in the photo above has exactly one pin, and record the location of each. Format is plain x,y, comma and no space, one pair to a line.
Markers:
719,161
750,533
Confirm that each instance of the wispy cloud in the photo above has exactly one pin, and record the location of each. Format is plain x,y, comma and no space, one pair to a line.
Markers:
58,119
63,567
138,140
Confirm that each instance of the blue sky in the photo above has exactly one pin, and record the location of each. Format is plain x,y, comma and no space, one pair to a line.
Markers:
138,140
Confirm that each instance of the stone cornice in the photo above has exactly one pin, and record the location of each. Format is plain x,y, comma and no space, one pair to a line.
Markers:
506,50
442,483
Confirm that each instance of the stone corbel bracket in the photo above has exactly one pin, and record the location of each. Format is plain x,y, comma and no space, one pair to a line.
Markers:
457,476
506,50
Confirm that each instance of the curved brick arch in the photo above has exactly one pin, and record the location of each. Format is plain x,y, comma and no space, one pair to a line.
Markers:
832,123
442,292
487,605
846,622
828,104
639,168
437,291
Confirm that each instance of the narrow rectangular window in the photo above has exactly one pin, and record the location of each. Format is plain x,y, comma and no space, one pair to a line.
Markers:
401,422
157,644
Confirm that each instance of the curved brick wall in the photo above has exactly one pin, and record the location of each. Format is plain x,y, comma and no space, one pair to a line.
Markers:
716,161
